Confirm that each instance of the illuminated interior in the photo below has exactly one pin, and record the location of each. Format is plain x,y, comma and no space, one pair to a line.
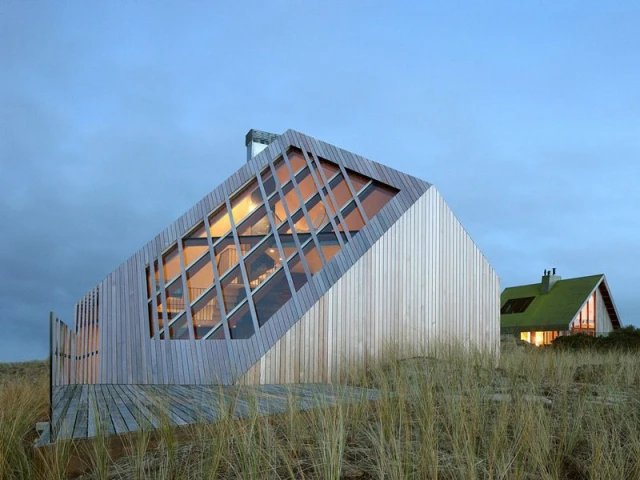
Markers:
540,338
585,321
236,269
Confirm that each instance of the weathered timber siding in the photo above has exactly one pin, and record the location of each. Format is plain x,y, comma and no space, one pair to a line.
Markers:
422,258
424,282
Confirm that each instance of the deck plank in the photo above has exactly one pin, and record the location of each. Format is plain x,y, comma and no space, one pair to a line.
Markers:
84,411
60,407
164,403
144,403
105,423
80,427
125,413
69,416
92,413
136,406
118,422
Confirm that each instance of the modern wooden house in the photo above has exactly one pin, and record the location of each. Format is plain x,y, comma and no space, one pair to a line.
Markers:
308,260
540,312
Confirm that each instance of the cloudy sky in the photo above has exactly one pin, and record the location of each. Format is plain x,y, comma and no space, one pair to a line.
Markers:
116,117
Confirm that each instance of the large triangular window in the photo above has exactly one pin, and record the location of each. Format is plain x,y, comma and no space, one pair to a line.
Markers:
249,257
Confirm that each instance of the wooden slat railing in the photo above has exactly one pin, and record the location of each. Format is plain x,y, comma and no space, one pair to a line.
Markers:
62,352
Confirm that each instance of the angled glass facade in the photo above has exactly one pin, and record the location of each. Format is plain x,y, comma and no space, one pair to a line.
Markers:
246,259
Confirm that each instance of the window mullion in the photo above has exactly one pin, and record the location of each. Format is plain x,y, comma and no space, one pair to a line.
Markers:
289,220
326,203
155,333
163,298
185,291
304,212
336,208
272,225
216,283
243,270
353,191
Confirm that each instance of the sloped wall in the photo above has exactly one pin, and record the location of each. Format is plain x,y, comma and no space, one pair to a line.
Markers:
423,281
128,354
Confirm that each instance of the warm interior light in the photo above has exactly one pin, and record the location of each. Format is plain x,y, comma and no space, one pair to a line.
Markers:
539,338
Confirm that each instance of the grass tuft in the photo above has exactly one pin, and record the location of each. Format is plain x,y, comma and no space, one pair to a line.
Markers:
537,413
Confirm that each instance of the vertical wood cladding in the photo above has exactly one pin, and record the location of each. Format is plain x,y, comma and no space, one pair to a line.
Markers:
424,281
420,273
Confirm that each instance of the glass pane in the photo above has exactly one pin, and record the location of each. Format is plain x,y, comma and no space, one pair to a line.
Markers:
296,270
375,197
312,257
233,291
198,232
155,320
193,249
220,224
267,182
291,198
199,278
296,159
246,202
341,191
353,218
171,265
241,323
180,329
329,228
306,184
217,335
271,297
317,214
276,206
262,262
256,224
288,250
332,208
157,275
175,299
160,318
303,234
148,274
329,244
282,173
329,169
206,314
358,181
253,229
226,254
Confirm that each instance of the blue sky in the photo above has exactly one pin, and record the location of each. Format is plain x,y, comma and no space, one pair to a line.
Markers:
116,117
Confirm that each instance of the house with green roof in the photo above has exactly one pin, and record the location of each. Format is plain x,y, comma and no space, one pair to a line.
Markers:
540,312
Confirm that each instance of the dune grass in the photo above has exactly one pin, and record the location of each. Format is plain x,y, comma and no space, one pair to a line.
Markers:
538,414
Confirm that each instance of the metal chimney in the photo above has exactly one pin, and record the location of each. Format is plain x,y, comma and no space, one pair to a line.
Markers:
256,141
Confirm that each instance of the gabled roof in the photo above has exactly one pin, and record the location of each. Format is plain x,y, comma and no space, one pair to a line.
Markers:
555,309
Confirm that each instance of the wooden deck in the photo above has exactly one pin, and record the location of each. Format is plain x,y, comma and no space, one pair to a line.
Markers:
84,411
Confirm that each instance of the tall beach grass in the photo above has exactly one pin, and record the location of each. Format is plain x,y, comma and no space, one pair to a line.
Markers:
537,413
